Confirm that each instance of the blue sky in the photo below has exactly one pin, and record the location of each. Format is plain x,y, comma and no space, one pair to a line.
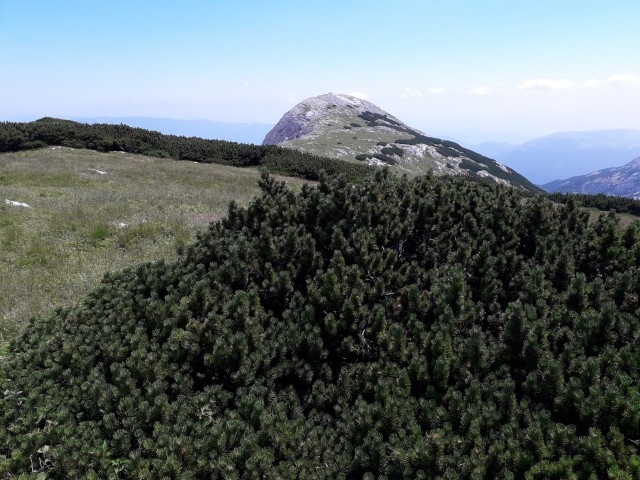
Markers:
475,69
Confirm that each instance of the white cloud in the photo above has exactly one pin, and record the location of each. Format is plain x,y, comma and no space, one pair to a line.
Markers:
256,82
411,93
481,91
436,90
594,82
625,78
359,94
546,84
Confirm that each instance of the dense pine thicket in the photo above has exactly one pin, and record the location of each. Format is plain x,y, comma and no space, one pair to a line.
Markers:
600,201
106,138
432,328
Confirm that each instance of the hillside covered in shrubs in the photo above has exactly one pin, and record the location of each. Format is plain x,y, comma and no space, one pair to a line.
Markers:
428,328
15,136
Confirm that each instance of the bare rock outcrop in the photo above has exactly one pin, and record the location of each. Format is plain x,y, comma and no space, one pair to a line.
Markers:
310,113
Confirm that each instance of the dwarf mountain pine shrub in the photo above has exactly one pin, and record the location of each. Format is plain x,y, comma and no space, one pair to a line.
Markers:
429,328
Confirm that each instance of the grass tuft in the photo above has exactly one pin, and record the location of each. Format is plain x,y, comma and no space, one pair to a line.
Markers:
100,232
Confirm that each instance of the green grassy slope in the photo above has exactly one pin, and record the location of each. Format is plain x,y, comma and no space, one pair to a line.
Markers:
82,224
122,138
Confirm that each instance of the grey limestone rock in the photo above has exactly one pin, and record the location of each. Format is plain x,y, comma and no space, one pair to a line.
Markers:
310,113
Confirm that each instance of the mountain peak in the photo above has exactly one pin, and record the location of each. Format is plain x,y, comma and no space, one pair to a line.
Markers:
310,113
356,130
634,163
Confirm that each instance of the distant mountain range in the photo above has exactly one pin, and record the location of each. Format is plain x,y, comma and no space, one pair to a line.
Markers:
621,181
208,129
566,154
355,130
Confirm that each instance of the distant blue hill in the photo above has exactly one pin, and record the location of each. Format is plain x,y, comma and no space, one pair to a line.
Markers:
621,181
233,132
569,154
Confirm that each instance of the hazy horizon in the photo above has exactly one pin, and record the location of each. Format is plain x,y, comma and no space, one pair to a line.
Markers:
478,71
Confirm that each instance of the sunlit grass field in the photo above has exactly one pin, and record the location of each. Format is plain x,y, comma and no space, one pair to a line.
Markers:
89,213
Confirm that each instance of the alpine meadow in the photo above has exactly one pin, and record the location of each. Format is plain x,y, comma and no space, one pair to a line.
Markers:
320,240
387,327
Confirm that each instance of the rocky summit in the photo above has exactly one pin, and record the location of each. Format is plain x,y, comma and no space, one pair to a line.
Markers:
355,130
620,181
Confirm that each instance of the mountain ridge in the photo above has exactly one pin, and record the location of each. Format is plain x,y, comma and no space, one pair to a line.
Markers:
357,131
206,129
621,181
50,131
